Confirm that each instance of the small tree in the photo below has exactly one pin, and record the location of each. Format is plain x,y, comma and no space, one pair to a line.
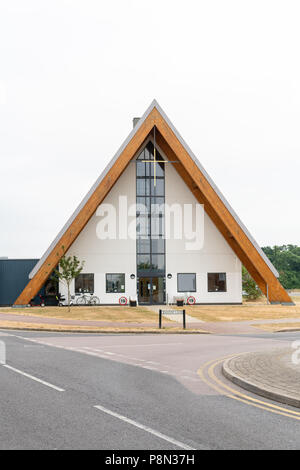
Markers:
250,288
68,269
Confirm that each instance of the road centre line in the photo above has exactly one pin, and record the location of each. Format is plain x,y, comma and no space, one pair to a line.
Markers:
145,428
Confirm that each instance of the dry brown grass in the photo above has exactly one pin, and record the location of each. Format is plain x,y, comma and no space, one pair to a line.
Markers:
258,310
102,313
247,311
273,327
92,329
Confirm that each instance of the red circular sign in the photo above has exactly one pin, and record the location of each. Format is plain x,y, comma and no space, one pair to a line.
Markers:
191,300
123,300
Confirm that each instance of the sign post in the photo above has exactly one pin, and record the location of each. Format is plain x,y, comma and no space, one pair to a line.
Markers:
171,312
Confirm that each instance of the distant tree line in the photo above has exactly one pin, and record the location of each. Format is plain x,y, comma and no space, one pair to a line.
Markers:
286,259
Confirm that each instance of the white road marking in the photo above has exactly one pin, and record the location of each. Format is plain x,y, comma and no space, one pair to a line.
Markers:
90,353
142,345
33,378
103,354
145,428
93,349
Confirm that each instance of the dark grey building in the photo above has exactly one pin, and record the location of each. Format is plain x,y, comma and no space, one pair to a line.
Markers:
14,277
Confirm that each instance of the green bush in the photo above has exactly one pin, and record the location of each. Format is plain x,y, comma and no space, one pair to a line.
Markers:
250,289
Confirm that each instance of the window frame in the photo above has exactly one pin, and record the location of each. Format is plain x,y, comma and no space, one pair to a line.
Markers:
184,291
217,291
150,223
83,291
119,291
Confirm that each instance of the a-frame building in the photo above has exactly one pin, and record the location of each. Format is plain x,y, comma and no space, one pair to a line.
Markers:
154,268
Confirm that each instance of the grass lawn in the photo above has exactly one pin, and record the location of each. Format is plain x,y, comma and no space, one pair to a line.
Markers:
22,325
247,311
101,313
258,310
273,327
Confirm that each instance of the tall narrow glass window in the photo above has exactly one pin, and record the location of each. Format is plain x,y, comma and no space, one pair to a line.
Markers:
150,214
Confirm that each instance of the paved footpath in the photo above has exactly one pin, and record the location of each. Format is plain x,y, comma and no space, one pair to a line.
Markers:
271,374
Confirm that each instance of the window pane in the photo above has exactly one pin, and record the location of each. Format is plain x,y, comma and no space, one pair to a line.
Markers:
159,188
148,155
84,283
159,167
143,245
157,200
158,289
186,282
140,168
149,150
157,227
158,246
115,283
143,187
143,262
216,282
143,205
142,226
158,262
157,206
147,165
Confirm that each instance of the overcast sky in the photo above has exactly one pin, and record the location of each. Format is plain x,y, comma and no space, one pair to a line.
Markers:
73,74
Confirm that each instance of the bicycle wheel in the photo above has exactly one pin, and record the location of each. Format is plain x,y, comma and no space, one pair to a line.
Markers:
81,300
94,300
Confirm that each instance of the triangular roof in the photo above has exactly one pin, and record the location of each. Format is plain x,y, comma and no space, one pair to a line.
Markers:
200,183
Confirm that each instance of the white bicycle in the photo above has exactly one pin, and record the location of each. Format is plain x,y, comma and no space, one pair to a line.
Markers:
87,299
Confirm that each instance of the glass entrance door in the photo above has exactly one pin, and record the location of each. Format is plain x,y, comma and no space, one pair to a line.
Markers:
151,290
144,290
158,290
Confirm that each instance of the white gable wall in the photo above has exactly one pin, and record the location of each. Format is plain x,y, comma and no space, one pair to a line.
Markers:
109,256
216,256
119,256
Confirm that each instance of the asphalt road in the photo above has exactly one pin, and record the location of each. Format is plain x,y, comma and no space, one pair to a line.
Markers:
68,391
